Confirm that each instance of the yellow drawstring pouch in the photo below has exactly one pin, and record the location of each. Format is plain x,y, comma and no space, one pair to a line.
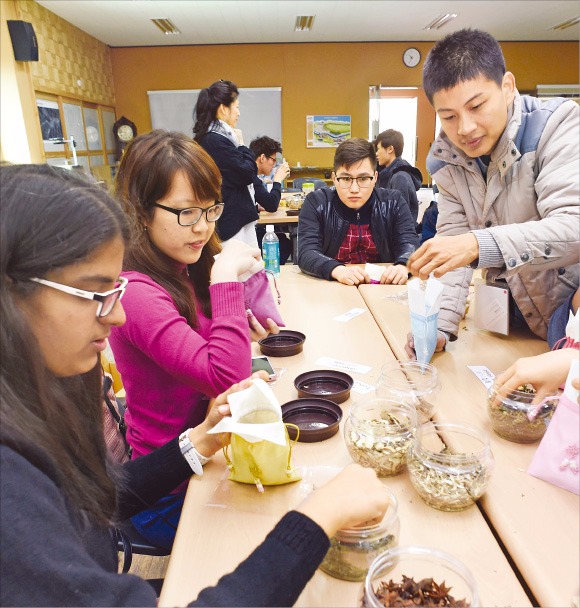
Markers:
260,451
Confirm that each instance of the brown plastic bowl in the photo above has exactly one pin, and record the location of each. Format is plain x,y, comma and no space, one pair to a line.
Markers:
317,419
283,344
325,384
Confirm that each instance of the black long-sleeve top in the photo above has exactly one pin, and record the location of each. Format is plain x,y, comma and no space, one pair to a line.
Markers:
51,556
269,200
237,164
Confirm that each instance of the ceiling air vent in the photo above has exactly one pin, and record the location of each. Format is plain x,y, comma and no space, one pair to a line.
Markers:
166,26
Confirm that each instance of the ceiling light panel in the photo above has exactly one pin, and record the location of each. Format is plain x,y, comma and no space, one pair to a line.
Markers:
166,26
304,23
440,21
565,24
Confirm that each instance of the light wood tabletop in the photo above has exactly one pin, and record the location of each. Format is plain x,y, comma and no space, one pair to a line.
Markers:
222,521
277,217
537,522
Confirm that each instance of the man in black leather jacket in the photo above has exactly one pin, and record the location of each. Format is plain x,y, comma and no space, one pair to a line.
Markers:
355,222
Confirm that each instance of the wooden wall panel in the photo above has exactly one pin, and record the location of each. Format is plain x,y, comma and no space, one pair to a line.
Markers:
67,55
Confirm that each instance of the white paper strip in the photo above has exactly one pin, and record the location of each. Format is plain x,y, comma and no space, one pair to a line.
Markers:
351,314
362,388
344,366
484,374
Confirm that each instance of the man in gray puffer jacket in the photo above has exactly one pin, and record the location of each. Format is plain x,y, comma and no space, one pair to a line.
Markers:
507,171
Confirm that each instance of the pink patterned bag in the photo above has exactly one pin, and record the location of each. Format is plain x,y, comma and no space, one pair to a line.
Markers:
556,460
259,300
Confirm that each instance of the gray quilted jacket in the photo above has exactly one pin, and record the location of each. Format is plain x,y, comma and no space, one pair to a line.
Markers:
529,204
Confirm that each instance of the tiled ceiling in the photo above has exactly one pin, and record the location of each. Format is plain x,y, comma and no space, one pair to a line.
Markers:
128,22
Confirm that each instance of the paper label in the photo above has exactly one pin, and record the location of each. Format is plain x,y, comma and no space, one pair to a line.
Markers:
484,375
362,388
351,314
343,366
491,308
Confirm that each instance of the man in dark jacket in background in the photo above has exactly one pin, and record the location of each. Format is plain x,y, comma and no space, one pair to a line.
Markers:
355,223
265,150
398,174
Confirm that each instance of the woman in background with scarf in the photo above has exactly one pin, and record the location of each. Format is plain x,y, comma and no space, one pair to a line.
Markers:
216,114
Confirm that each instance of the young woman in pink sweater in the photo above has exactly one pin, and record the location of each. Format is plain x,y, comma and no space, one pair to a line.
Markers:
187,335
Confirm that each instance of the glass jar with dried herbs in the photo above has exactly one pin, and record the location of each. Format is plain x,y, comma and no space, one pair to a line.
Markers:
450,465
353,550
379,432
411,382
418,576
514,415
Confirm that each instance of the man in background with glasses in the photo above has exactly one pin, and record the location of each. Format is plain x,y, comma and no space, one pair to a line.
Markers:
355,222
266,193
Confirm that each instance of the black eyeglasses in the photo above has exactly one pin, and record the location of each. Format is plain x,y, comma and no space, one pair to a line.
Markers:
192,215
273,158
364,181
106,300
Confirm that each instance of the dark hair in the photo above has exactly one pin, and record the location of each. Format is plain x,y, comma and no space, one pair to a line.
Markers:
51,219
390,137
145,175
461,56
265,145
208,101
352,151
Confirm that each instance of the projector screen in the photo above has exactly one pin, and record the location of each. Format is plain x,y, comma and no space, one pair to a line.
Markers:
260,111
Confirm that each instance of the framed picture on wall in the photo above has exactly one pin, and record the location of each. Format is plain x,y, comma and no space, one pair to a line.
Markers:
50,124
326,130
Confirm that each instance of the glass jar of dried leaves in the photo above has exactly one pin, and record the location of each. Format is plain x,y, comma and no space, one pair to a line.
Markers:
515,417
379,433
353,550
411,382
418,576
450,465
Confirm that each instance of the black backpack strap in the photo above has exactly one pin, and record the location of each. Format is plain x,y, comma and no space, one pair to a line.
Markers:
118,413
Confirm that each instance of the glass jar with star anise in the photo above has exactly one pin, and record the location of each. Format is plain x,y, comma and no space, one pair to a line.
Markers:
418,576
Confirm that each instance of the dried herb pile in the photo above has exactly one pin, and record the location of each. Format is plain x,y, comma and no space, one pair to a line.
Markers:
426,593
350,561
381,444
509,416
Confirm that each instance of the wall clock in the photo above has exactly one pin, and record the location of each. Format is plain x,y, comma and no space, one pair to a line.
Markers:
124,131
411,57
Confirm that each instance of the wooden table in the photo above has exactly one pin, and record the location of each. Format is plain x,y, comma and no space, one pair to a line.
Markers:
537,522
223,522
289,224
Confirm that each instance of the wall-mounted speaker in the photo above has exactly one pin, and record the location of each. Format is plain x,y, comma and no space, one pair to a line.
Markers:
23,40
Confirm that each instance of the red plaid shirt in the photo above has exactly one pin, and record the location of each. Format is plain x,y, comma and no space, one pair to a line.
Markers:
358,246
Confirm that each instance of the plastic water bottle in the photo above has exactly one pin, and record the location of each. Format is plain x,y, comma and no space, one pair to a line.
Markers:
271,251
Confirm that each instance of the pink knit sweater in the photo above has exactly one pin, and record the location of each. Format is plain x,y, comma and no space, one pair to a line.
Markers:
170,370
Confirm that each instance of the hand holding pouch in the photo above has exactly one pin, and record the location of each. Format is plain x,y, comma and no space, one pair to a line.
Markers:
557,458
260,451
258,295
